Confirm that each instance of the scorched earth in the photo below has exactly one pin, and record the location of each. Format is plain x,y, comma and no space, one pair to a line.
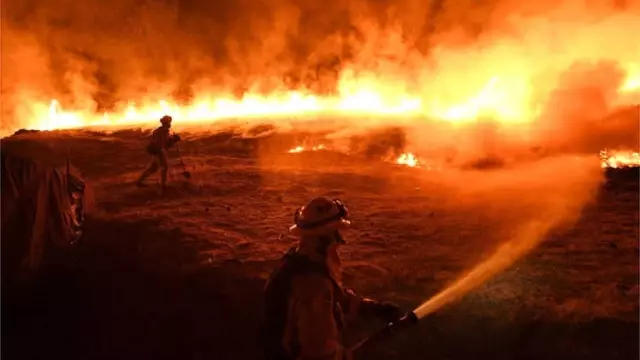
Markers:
180,276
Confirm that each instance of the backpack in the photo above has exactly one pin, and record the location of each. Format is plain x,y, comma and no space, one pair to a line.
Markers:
154,148
276,302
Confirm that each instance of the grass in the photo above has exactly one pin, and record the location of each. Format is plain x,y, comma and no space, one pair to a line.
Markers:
180,276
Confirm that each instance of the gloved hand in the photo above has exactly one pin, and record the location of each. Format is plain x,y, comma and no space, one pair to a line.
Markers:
387,312
175,138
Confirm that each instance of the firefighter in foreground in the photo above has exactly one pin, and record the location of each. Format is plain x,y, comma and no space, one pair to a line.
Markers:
161,141
306,306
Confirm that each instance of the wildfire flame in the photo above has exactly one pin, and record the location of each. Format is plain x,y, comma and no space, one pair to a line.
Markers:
299,149
496,98
619,159
407,159
507,76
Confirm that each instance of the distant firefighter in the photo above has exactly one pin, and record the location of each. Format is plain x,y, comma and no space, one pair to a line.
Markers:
161,140
305,303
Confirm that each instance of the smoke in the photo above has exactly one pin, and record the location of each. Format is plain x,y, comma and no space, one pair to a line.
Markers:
546,205
97,56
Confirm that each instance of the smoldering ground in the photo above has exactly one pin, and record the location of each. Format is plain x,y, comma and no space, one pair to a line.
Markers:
190,267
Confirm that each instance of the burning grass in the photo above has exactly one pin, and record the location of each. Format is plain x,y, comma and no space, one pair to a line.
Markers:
619,159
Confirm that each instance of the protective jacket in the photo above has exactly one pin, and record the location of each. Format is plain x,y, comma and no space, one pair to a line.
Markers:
306,311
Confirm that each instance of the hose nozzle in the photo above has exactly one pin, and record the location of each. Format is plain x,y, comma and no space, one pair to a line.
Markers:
408,320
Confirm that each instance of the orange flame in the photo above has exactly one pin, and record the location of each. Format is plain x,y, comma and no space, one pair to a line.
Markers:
507,77
407,159
496,99
299,149
619,159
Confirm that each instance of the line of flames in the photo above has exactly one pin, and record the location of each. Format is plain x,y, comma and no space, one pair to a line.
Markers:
609,159
496,98
406,159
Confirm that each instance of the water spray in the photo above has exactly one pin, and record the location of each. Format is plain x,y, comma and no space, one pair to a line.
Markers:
527,238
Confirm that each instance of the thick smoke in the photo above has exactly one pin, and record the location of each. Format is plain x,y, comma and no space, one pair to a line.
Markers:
96,56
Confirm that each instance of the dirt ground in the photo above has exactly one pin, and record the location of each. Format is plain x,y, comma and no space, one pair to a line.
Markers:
180,276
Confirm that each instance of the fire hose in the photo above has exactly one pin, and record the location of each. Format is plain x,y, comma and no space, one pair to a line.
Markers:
389,331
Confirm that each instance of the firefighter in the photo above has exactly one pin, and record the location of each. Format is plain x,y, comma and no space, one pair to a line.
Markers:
306,306
161,140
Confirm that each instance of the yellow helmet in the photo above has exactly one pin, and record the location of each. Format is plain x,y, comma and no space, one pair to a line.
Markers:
320,216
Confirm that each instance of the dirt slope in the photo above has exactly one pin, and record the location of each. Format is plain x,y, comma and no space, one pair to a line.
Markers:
180,277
